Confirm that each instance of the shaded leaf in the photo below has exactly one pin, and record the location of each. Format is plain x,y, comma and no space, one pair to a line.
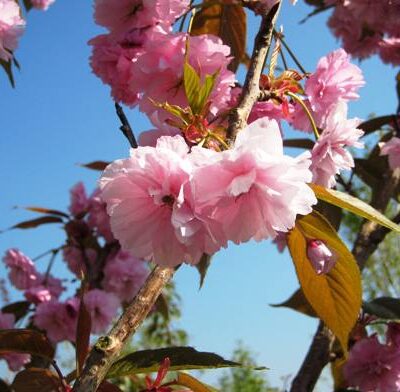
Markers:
202,266
106,386
28,5
18,309
297,302
96,165
31,224
336,296
186,380
83,329
227,21
37,380
7,66
354,205
384,308
44,210
182,358
4,387
375,124
299,143
26,341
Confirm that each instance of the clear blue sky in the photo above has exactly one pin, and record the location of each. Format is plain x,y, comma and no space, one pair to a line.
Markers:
60,115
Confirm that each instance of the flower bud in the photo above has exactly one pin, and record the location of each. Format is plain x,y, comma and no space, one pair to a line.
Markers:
321,257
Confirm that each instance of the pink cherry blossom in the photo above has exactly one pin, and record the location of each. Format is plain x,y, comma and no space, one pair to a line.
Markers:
78,199
23,274
392,150
149,138
42,4
123,15
254,190
159,72
142,193
11,28
76,259
102,307
124,275
373,367
58,319
48,288
38,294
280,241
321,257
329,155
14,360
335,78
98,218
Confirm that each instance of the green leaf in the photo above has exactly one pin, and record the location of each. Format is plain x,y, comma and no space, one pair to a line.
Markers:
37,380
18,309
192,85
202,266
182,358
384,307
175,110
354,205
299,303
336,296
26,341
206,89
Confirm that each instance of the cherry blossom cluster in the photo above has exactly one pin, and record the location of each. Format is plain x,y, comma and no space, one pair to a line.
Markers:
375,366
392,150
142,59
170,204
12,25
114,276
368,27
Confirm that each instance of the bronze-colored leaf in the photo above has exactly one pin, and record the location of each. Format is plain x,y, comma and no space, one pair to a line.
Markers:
298,302
18,309
96,165
33,223
227,21
7,66
28,4
37,380
106,386
26,341
375,124
335,296
44,210
202,266
299,143
4,387
188,381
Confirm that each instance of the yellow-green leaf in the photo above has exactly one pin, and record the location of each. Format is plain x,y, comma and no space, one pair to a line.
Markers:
336,296
191,81
354,205
186,380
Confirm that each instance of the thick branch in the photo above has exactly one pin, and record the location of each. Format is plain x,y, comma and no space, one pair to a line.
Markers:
368,239
108,347
251,90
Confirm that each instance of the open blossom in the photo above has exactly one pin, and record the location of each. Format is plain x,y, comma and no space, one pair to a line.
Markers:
329,155
159,72
392,150
123,15
102,307
335,78
58,319
11,28
321,257
23,274
42,4
48,288
76,260
14,360
98,218
373,367
254,190
124,275
142,193
79,201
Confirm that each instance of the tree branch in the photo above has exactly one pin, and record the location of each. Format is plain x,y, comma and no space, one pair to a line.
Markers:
125,127
368,239
108,347
251,89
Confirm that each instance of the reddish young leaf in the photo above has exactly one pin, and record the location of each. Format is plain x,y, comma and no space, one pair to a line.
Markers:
82,332
44,210
96,165
18,309
4,387
37,380
31,224
25,341
106,386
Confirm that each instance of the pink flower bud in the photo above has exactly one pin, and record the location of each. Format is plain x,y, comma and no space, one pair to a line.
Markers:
320,256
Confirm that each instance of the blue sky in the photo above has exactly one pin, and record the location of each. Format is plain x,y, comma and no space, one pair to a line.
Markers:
60,115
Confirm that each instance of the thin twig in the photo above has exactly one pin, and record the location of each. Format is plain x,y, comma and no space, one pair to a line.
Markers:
251,89
290,52
125,127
